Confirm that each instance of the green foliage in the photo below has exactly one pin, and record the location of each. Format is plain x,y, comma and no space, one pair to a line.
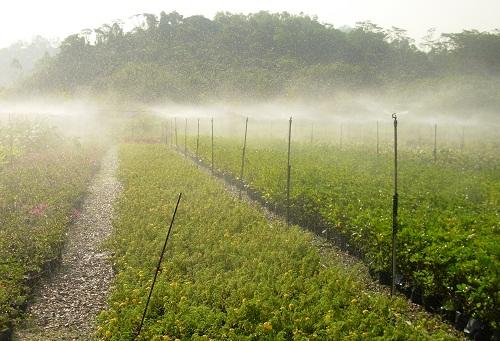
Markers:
449,236
257,55
39,192
229,272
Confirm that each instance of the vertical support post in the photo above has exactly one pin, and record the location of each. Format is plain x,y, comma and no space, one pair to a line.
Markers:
243,155
312,133
378,139
198,139
289,168
434,152
175,128
158,266
395,205
212,123
185,136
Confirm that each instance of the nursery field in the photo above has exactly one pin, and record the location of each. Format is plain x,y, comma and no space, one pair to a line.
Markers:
42,180
229,272
449,227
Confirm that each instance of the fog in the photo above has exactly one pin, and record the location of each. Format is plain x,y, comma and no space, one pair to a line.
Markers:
354,116
81,118
350,119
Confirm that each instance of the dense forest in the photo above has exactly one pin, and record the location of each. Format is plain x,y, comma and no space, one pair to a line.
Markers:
260,55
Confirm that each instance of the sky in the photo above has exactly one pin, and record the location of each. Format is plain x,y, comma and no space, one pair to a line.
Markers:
24,19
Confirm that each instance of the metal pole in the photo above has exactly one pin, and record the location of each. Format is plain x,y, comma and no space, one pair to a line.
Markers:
158,266
289,167
185,136
434,152
243,155
395,204
312,133
212,122
198,139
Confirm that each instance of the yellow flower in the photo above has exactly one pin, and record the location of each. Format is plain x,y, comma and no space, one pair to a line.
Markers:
267,326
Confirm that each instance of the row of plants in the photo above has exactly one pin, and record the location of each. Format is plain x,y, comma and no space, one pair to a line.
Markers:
40,191
229,272
22,135
449,228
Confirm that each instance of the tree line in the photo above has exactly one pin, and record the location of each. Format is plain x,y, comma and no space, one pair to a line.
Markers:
258,55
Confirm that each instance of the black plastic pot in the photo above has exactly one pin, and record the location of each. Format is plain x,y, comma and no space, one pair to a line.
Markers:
460,320
6,335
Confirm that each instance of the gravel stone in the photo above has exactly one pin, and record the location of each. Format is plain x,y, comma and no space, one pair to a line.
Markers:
66,303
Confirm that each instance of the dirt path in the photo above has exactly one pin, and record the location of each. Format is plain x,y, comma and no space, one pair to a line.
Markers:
66,304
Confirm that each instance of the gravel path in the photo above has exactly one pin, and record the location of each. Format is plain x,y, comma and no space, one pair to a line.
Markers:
65,304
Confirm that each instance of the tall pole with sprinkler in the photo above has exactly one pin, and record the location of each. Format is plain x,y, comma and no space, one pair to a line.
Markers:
243,154
395,204
289,168
212,123
198,139
185,136
434,152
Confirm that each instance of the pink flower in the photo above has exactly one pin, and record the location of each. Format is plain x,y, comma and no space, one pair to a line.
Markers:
76,214
39,209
